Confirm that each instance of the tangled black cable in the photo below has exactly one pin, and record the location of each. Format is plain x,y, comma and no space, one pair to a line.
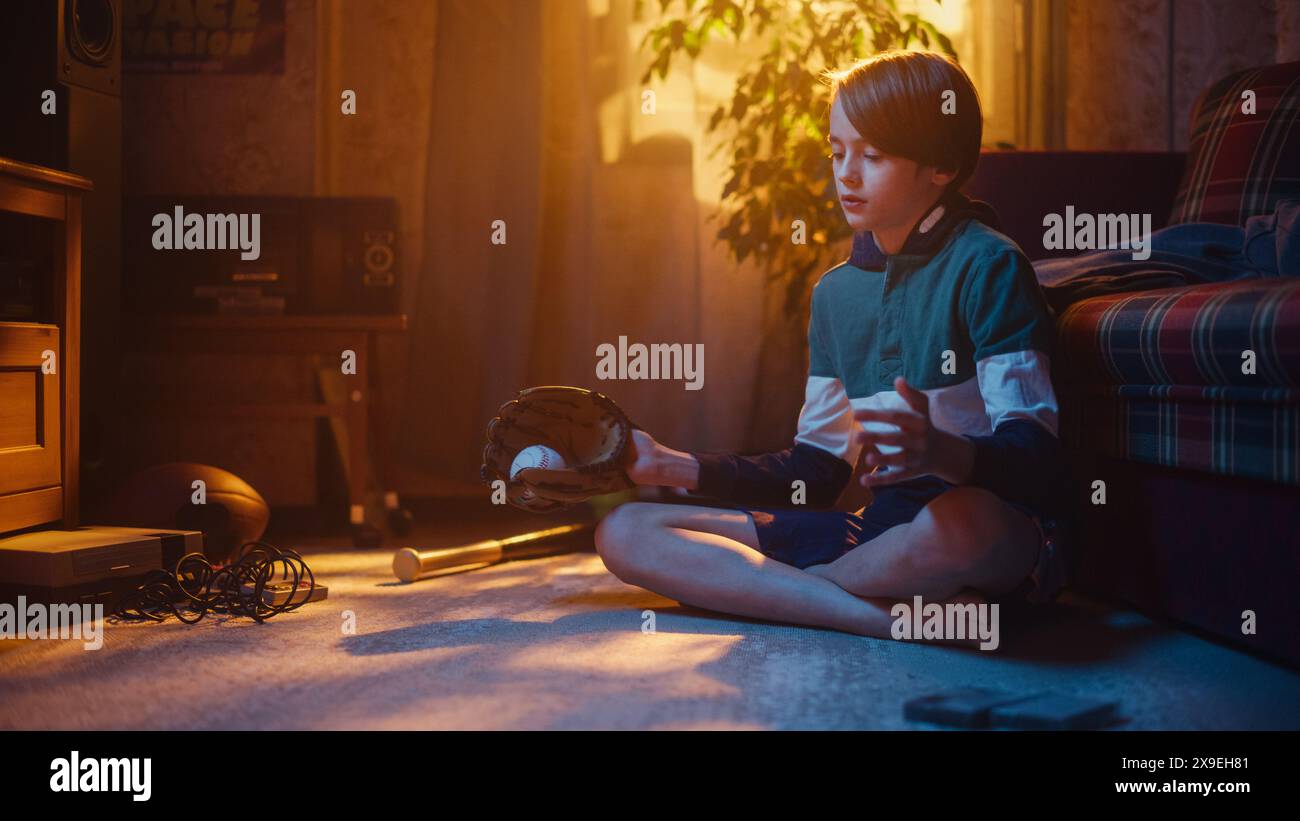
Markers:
236,588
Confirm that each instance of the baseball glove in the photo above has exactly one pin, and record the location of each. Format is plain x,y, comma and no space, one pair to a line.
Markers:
589,431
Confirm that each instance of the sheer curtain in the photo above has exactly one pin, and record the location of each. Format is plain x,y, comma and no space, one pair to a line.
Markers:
1015,53
539,121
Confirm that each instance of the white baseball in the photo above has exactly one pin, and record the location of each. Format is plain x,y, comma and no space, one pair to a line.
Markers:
536,456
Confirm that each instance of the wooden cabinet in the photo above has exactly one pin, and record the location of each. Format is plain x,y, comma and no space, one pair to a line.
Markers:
39,359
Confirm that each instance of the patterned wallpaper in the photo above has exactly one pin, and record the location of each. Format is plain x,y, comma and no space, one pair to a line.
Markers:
1117,64
226,134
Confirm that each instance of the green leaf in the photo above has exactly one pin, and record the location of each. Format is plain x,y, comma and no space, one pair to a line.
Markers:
739,25
677,33
661,63
692,41
739,105
732,186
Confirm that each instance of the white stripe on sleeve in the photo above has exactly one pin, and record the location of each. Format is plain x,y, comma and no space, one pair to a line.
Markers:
826,420
1018,386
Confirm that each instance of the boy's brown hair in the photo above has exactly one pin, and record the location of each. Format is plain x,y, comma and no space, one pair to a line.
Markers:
896,101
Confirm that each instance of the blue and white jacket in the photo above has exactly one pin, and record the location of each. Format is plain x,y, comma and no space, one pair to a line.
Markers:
959,314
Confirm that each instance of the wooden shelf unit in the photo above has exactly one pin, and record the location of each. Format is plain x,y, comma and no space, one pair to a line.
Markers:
326,335
39,426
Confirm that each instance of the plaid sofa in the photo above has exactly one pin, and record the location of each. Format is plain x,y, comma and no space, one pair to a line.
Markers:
1187,466
1157,377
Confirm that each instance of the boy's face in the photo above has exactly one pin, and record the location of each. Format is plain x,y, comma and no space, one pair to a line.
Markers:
892,192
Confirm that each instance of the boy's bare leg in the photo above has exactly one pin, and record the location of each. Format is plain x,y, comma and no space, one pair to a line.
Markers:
708,557
965,537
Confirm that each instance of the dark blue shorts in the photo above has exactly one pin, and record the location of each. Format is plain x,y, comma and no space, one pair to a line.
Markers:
803,538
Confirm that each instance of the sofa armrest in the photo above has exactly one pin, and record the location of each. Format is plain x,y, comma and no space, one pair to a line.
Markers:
1025,186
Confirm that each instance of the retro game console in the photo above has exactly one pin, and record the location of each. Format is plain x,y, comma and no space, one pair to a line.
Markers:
89,564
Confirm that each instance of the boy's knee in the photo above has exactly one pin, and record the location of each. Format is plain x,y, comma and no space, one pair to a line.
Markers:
956,529
617,536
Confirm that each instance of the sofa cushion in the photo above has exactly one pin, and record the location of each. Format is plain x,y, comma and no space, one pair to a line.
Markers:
1240,164
1189,335
1251,437
1159,376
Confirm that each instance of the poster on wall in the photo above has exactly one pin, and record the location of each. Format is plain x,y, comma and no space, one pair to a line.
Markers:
203,37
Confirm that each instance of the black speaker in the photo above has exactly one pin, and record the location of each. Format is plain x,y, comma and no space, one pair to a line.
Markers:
354,255
68,53
71,48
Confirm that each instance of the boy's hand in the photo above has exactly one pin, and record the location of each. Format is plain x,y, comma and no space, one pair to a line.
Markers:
924,449
642,466
650,463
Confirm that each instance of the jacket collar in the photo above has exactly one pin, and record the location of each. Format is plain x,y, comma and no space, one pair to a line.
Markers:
928,235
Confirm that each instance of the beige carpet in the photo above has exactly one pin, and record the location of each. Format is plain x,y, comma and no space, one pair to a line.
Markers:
559,643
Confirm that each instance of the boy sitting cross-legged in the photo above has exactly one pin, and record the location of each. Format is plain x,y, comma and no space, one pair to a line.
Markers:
928,357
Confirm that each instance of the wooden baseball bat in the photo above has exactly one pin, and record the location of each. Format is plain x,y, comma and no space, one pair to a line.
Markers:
410,564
